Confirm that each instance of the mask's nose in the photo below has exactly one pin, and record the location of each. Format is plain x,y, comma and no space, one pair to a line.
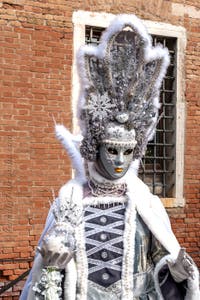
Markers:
119,159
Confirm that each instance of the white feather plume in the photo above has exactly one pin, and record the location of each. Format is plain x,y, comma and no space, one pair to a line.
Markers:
70,143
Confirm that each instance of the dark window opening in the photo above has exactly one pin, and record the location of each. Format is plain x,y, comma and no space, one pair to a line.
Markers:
157,168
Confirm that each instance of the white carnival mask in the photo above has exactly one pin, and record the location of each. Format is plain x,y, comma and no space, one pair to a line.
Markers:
116,151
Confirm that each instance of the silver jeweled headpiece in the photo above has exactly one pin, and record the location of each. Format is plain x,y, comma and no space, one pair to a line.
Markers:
120,81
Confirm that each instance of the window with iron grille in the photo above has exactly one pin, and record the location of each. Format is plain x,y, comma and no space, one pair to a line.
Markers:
158,165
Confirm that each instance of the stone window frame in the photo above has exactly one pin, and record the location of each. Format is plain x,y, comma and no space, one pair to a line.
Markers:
82,18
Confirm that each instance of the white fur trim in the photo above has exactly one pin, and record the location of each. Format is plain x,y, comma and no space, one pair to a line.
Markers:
70,281
158,267
82,264
129,251
133,169
155,53
125,20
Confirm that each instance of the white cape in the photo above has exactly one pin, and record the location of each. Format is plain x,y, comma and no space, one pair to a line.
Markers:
149,207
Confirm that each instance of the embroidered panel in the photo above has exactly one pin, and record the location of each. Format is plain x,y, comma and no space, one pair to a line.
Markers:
104,226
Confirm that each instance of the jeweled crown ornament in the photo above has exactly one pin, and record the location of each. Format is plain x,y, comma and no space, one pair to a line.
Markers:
120,83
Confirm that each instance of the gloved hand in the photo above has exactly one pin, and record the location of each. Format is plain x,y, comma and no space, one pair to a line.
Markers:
57,247
183,267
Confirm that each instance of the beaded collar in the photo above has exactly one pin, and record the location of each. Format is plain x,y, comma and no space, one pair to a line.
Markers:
107,189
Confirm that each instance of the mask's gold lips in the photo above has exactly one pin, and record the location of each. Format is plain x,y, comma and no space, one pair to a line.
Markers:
118,170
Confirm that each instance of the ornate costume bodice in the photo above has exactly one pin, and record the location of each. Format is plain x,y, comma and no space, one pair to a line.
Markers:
104,237
104,226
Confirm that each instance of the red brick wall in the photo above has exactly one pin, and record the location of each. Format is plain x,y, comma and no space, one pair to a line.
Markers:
35,75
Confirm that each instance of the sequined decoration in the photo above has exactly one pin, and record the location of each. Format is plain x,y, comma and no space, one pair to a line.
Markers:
122,81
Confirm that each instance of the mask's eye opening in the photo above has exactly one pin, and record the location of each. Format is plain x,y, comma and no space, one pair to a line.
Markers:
112,151
128,151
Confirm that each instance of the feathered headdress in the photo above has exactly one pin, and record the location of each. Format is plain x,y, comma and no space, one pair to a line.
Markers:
120,83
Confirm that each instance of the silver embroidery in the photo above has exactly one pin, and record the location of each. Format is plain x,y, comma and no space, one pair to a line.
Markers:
121,83
105,245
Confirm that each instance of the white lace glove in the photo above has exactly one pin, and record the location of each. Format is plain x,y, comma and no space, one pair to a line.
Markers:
58,246
183,267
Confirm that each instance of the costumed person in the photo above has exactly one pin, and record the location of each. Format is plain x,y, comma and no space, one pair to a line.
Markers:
106,236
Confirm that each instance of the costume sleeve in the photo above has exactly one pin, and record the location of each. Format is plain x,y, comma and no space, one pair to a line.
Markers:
157,250
37,266
164,282
166,286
